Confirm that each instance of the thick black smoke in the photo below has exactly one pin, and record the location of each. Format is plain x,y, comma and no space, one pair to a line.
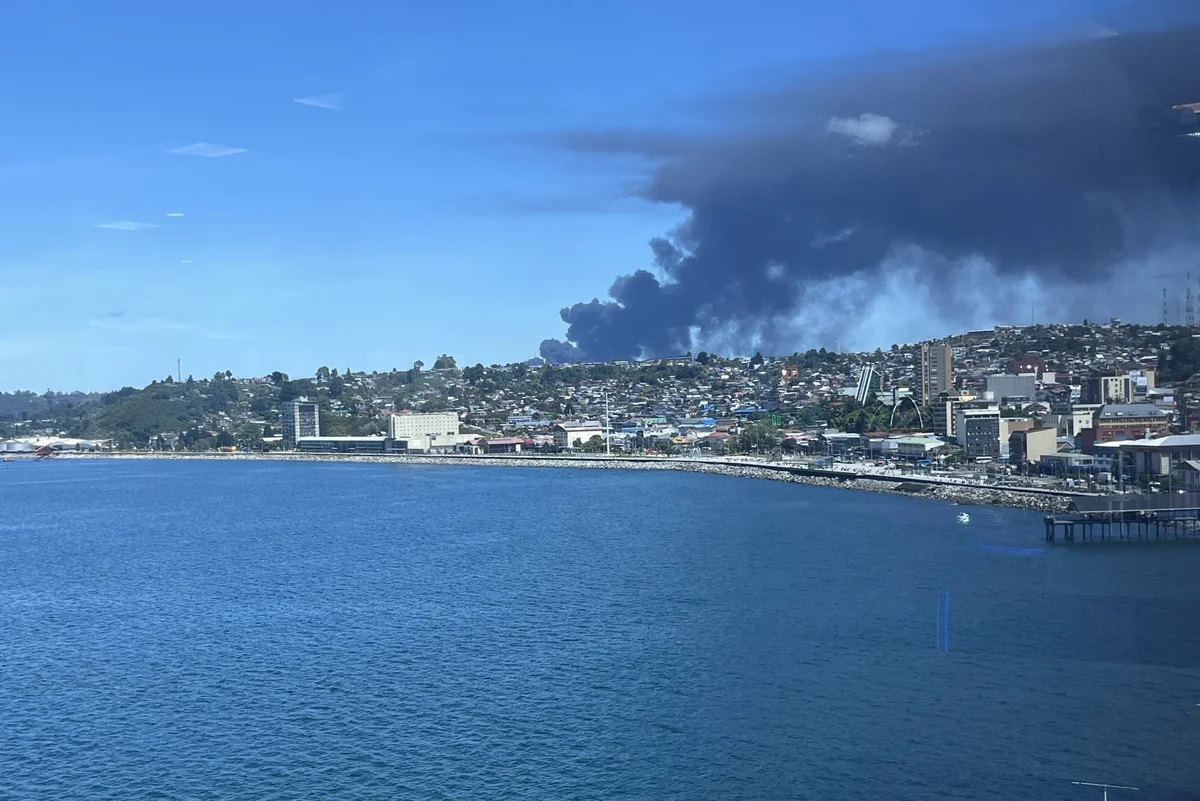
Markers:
1060,161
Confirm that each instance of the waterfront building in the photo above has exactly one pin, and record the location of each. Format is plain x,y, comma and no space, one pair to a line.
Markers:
1119,422
299,418
977,431
423,432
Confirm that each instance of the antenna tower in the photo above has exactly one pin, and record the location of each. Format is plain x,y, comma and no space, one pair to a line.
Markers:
1165,320
1189,311
179,370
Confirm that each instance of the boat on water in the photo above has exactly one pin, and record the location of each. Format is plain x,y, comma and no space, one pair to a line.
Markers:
964,518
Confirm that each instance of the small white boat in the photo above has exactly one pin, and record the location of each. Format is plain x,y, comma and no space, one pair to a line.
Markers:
964,518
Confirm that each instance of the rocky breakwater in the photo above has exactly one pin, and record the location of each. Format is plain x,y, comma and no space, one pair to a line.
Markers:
952,493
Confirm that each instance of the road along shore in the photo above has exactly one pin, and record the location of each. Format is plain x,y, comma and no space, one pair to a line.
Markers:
1033,500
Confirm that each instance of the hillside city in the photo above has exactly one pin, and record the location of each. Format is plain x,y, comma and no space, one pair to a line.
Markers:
1090,403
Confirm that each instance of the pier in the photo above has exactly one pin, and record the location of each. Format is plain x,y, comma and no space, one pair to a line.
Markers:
1127,517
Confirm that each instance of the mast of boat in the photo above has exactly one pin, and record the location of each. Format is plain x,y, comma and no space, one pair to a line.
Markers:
1105,787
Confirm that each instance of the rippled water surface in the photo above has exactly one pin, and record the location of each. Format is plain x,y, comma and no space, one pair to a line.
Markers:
195,630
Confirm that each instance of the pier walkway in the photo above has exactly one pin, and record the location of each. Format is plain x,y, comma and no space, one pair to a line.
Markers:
1127,517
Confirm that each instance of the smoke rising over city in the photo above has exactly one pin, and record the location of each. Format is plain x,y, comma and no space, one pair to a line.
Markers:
968,182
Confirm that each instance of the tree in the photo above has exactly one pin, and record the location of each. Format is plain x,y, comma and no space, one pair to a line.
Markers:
322,374
250,432
760,437
225,440
1182,359
444,362
418,365
756,360
333,373
474,374
278,378
702,357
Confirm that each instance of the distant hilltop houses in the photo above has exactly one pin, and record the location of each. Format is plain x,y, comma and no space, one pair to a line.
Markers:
1043,400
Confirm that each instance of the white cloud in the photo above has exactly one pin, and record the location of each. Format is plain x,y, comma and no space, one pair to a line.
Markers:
206,150
126,225
186,261
821,240
865,129
333,102
150,325
174,213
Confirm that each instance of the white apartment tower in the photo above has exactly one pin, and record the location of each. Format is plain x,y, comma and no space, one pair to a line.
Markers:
299,418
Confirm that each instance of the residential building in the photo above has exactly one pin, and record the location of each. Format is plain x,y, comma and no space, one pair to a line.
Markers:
1030,445
1010,426
1118,422
426,431
1030,363
1070,424
945,409
1012,386
297,419
1104,389
937,374
977,431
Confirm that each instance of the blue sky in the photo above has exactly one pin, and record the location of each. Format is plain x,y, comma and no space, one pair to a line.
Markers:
384,221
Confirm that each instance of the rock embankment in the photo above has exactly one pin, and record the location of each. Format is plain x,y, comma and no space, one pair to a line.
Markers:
952,493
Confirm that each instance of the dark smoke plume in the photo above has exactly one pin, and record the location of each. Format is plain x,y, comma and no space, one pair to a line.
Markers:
1051,163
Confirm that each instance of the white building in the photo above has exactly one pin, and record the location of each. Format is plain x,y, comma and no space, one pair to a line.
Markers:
566,434
425,432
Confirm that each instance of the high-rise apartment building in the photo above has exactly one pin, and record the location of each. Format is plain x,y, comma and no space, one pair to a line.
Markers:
299,418
937,375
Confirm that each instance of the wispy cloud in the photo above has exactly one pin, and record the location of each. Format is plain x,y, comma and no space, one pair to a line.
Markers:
151,325
333,101
186,261
206,150
126,225
174,213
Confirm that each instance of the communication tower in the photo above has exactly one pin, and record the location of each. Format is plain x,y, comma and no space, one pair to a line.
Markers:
1189,311
1165,320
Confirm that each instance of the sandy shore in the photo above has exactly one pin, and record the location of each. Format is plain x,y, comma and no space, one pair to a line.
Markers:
916,487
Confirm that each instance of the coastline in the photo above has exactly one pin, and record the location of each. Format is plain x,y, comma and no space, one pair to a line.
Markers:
963,494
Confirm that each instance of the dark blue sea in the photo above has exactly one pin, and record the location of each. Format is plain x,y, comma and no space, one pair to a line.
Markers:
225,630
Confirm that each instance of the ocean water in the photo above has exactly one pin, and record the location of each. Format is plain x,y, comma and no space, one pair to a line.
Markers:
201,630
